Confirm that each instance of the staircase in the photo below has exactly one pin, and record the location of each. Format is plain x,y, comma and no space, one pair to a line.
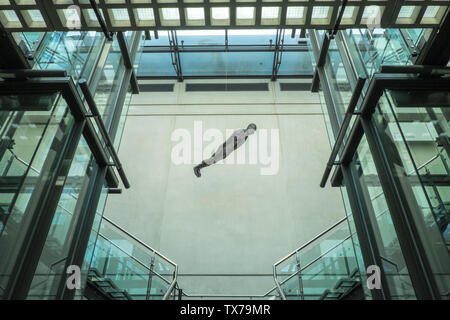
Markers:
125,268
325,268
345,289
100,288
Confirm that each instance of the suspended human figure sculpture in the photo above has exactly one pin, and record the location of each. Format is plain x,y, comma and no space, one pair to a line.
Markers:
236,140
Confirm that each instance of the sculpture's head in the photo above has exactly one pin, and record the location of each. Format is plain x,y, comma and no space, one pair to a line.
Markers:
251,129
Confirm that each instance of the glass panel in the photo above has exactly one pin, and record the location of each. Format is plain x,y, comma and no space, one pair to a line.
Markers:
156,65
380,47
394,266
317,270
91,247
420,140
203,54
123,119
296,64
50,270
129,268
30,150
75,52
339,80
227,63
109,84
28,41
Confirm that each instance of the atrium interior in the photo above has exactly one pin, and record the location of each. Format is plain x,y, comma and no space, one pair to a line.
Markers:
106,108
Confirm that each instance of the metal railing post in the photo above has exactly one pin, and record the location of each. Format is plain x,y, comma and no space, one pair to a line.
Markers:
300,279
149,282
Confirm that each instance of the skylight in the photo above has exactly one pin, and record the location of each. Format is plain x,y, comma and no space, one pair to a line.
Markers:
170,13
431,11
145,14
320,12
21,15
270,12
220,13
35,15
11,15
245,12
295,12
371,12
120,14
195,13
348,12
406,12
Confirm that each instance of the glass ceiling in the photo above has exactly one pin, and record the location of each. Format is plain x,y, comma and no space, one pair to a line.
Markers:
120,15
235,53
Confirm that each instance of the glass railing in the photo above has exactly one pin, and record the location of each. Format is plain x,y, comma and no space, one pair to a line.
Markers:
380,47
420,137
318,269
130,266
76,52
29,42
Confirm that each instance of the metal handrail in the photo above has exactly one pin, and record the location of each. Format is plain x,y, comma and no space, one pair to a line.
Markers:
175,273
315,260
171,288
136,259
414,170
311,241
277,284
322,255
140,242
390,262
275,275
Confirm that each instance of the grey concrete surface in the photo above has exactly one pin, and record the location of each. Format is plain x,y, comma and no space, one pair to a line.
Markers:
233,220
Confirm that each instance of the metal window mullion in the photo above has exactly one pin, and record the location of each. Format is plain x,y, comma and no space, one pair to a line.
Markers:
356,200
401,215
50,15
131,14
83,229
106,16
128,74
43,216
157,15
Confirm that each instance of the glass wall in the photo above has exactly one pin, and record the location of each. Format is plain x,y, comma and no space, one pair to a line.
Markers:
38,145
31,146
394,267
205,54
419,137
357,52
320,266
50,270
76,52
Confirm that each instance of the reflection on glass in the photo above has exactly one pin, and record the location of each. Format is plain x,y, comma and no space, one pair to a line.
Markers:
74,52
50,270
130,269
420,139
321,267
31,142
394,266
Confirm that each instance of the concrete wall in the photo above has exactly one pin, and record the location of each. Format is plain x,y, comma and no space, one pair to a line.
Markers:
233,220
